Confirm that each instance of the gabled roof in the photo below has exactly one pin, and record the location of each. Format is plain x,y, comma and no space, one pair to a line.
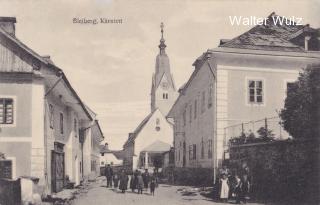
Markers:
272,35
119,154
46,62
22,46
104,149
157,146
135,133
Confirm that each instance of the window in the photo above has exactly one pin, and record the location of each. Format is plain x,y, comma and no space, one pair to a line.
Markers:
190,152
6,169
51,116
255,91
6,111
190,113
75,126
61,123
184,117
210,149
195,109
165,96
93,165
194,151
290,86
202,149
203,101
210,96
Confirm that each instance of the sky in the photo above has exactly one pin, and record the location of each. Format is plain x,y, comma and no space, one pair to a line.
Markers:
111,65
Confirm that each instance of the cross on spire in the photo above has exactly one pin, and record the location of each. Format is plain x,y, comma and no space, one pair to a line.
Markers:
161,26
162,45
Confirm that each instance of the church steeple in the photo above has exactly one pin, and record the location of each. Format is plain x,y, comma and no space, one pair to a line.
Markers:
163,91
162,45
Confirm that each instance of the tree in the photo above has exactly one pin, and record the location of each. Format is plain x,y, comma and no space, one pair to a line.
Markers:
300,114
265,134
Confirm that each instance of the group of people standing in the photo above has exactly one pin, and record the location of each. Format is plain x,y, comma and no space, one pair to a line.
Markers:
138,181
141,181
233,186
119,181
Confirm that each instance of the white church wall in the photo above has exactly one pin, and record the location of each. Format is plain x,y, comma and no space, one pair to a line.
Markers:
149,134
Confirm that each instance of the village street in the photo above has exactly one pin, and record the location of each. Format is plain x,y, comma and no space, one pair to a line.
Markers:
99,194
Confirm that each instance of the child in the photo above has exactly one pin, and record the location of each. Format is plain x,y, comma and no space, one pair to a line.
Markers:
224,188
238,189
152,185
115,180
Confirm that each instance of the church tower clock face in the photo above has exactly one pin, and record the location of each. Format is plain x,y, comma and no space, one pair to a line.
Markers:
165,85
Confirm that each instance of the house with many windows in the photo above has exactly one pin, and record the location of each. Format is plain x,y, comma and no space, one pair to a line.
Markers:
242,80
46,131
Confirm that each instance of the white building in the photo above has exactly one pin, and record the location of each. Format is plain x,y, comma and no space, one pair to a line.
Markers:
243,80
46,131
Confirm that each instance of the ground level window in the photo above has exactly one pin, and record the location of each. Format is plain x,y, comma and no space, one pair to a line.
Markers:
6,111
210,149
194,151
6,169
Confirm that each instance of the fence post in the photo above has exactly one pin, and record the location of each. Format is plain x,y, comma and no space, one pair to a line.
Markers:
242,130
266,126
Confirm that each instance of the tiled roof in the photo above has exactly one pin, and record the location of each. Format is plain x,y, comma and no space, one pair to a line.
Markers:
270,36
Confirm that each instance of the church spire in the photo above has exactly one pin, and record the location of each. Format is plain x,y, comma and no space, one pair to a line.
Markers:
162,45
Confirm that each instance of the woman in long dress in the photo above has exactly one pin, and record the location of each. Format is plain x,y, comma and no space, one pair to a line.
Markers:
224,189
140,183
123,181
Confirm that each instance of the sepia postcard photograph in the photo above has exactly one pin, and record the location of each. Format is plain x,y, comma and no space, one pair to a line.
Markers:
159,102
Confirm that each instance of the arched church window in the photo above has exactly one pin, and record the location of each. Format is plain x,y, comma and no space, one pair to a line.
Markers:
157,121
165,95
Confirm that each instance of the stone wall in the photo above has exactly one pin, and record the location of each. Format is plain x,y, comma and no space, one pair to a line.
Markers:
280,170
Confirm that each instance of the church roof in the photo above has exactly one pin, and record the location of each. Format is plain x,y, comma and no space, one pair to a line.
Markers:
135,133
273,35
162,64
157,146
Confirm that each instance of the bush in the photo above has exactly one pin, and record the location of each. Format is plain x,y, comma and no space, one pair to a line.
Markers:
265,135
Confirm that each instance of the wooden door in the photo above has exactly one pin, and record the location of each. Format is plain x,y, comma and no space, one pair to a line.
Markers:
57,171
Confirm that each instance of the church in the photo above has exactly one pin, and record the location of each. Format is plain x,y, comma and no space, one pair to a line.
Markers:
153,137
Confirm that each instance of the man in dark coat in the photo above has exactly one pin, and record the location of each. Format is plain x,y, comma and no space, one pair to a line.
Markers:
146,178
109,174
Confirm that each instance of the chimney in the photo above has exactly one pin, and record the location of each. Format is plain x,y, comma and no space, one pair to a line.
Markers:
8,24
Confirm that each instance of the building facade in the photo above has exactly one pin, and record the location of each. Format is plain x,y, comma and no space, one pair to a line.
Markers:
243,80
41,116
